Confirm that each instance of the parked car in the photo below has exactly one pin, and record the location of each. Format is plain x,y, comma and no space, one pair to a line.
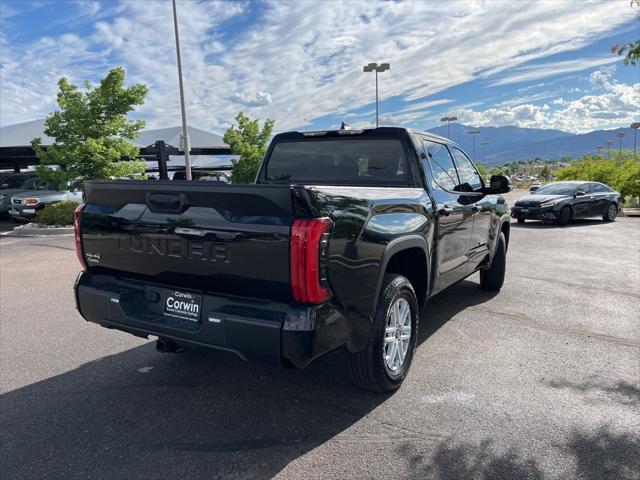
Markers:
25,205
208,175
13,184
341,242
561,202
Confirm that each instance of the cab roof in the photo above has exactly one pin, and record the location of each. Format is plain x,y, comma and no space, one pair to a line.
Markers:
382,131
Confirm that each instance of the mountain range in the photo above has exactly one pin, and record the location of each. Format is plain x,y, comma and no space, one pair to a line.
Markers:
507,144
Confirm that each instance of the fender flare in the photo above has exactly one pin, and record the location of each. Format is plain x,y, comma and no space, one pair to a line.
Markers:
394,246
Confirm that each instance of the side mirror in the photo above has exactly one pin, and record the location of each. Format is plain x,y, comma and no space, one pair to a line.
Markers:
498,184
579,193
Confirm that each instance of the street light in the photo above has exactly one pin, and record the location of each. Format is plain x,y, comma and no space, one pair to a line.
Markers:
484,149
448,120
185,136
374,67
635,127
474,133
620,135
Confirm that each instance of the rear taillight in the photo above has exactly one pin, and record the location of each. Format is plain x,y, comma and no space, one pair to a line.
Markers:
308,247
76,228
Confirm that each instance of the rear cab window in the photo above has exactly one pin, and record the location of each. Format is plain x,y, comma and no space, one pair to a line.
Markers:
349,161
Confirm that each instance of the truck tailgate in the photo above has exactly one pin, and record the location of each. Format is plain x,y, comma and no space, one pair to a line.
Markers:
197,235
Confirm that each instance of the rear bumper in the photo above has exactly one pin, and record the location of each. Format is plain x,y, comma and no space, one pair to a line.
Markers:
256,330
21,211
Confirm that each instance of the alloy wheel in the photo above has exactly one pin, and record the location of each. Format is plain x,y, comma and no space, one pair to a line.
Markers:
397,334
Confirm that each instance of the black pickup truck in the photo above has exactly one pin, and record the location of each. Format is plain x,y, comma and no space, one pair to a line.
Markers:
340,243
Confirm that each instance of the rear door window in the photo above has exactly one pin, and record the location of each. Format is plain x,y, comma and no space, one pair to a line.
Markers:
339,161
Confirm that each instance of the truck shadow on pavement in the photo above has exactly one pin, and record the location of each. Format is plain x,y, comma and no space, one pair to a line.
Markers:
141,414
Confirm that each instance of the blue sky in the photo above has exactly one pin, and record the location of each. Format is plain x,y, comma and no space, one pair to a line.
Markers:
531,64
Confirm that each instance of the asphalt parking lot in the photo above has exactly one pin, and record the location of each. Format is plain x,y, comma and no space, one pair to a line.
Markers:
6,224
539,381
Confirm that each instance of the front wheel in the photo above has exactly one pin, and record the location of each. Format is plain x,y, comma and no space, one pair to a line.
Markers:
385,361
564,217
493,277
610,213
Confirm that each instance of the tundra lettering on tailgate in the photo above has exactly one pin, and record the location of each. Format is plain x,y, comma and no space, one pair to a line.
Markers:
175,247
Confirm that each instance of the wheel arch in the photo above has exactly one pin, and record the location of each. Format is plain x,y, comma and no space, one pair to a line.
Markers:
408,256
505,228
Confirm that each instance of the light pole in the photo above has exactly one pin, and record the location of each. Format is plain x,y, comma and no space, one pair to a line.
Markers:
185,135
620,135
484,149
374,67
448,120
474,133
635,127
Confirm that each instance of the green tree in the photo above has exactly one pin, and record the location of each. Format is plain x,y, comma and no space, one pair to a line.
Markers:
622,174
91,131
544,173
630,50
482,170
250,142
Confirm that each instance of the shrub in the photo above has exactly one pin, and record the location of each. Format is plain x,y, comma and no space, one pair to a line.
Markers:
59,213
621,172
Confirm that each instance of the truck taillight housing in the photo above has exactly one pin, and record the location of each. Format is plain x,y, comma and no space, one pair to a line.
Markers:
309,239
76,229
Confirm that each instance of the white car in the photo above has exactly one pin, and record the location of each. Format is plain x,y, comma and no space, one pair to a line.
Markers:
25,205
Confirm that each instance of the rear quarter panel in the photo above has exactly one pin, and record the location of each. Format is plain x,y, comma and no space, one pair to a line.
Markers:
366,220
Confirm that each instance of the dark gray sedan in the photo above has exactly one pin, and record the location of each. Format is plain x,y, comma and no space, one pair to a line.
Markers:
561,202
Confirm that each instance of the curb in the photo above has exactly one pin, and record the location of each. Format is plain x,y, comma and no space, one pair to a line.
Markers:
29,230
631,212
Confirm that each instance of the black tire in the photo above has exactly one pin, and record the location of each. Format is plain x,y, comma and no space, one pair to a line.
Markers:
521,220
493,277
610,213
368,369
564,217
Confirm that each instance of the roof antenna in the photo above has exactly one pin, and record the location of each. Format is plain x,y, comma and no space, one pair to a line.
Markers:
345,126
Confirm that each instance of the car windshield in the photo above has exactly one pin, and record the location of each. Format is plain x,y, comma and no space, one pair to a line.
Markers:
557,189
31,184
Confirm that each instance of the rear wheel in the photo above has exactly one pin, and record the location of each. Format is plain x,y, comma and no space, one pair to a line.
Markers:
385,361
493,277
564,217
610,213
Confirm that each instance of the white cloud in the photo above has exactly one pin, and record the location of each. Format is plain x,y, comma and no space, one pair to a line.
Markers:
530,73
259,99
299,61
617,106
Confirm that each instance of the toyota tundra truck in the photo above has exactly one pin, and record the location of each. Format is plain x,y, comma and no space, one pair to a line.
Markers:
340,242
